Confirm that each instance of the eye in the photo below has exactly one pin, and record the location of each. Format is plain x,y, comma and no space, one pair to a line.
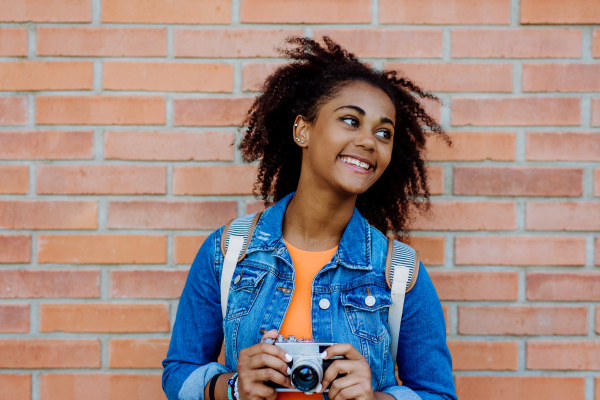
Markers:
353,121
385,134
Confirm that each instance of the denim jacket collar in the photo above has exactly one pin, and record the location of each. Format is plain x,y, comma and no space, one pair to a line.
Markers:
353,252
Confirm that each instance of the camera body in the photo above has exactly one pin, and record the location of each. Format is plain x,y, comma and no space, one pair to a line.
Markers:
307,366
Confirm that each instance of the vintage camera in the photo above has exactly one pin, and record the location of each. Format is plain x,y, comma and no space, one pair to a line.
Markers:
307,367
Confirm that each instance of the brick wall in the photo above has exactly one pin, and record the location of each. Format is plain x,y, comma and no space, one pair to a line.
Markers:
115,123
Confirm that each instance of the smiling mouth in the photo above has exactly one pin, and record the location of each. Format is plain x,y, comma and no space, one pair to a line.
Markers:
355,162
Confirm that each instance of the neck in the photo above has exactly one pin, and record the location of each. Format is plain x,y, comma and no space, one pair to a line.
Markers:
315,221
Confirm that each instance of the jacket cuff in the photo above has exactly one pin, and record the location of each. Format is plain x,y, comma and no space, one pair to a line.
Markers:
193,386
402,393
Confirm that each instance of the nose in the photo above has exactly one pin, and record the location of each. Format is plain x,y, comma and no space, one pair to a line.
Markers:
365,140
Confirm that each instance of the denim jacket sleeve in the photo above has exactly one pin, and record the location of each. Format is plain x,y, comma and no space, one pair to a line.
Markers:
198,332
424,363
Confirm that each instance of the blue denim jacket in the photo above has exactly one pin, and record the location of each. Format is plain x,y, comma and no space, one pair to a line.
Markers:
259,300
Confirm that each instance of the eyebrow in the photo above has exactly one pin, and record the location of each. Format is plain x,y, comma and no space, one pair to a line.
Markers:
362,113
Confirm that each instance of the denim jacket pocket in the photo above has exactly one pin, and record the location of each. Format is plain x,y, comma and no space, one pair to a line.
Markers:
245,287
364,306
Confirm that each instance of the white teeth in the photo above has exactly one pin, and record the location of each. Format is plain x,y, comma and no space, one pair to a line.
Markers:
355,162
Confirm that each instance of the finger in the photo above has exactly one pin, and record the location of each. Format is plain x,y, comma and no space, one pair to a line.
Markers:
270,334
269,374
345,367
268,349
343,382
258,391
268,361
351,392
343,349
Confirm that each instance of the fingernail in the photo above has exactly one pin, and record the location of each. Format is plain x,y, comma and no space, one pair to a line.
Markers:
288,357
289,370
319,388
324,354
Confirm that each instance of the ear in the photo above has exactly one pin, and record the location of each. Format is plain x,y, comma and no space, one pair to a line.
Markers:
300,131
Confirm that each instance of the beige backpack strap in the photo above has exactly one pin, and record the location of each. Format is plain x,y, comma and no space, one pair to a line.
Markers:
401,270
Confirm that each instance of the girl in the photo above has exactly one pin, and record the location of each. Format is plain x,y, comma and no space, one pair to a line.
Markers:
340,148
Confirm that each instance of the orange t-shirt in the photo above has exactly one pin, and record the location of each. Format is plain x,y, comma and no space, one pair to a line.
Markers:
297,320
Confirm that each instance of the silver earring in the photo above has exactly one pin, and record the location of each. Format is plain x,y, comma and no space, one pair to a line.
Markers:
302,141
297,139
295,124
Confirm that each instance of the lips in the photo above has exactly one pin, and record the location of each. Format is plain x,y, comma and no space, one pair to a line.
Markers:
356,162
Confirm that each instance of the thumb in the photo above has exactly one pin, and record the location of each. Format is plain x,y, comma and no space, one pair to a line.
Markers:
270,334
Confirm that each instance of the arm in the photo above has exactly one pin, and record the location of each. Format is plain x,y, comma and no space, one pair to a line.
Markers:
424,363
198,331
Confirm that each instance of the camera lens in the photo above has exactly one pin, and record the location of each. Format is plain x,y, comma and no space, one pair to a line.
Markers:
305,378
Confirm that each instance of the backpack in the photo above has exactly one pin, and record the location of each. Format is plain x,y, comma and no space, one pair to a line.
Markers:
401,269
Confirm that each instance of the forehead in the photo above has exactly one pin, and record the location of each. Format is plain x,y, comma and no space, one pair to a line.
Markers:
373,100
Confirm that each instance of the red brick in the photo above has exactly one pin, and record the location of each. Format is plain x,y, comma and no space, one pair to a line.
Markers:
101,179
254,74
431,249
595,112
167,11
46,10
100,110
435,176
492,12
137,353
597,182
13,110
597,320
169,146
596,50
48,145
563,286
101,387
522,320
563,146
13,42
214,180
432,108
307,11
49,353
525,111
471,285
45,214
46,75
560,12
15,249
456,77
563,355
211,112
15,387
518,181
104,318
185,248
468,216
101,42
520,387
102,249
170,214
147,284
14,179
380,43
516,43
519,250
597,251
247,42
55,283
561,77
253,206
169,77
473,146
14,318
491,356
563,216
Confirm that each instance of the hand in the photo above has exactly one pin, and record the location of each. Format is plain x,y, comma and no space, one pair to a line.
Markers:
258,364
357,382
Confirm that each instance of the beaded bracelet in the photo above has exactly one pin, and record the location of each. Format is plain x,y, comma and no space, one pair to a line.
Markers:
230,384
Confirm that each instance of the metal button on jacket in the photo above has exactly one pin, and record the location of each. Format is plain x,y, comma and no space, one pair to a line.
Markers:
370,301
324,304
237,279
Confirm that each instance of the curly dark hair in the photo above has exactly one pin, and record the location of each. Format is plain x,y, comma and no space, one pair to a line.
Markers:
301,88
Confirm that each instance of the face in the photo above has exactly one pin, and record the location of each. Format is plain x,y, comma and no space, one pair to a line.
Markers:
349,144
